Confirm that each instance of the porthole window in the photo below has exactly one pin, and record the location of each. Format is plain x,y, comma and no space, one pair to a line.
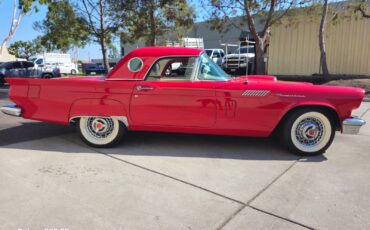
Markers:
135,64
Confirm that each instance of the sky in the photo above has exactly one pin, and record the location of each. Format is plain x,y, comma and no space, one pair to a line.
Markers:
26,32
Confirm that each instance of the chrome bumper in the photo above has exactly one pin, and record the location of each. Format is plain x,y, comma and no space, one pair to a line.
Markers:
352,125
12,110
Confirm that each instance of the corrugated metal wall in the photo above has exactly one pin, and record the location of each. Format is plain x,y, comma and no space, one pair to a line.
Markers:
294,50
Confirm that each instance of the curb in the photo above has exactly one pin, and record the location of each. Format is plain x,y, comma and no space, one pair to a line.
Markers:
366,99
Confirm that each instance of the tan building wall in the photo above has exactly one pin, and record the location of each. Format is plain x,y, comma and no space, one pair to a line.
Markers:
294,50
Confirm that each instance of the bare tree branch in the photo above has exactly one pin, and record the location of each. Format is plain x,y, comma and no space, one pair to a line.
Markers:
269,17
362,11
89,17
14,24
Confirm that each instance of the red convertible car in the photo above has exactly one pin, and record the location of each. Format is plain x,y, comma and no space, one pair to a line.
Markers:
182,90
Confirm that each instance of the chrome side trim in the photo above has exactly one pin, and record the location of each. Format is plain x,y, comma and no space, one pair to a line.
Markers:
122,79
289,95
123,119
352,125
12,110
256,93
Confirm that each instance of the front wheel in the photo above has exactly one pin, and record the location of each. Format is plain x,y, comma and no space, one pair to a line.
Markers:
73,72
47,76
101,132
2,81
308,132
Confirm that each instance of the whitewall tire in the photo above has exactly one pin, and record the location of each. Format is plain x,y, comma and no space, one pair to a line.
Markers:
308,132
101,132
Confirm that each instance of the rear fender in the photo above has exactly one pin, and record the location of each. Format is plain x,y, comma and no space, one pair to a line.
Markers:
98,108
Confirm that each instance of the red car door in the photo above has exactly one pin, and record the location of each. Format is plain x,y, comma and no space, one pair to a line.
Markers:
173,103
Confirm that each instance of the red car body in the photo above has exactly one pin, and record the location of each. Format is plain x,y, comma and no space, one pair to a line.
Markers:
244,106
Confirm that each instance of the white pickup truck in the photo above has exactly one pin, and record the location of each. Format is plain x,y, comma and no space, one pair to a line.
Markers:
240,62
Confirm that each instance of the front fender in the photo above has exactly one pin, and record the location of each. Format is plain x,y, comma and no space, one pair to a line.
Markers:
318,104
313,103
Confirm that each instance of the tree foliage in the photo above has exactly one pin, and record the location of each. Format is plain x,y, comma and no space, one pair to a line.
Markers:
26,49
150,19
63,28
260,15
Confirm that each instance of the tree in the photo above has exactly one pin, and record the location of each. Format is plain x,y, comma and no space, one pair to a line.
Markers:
266,12
329,14
63,28
99,21
20,9
150,19
361,7
26,49
323,22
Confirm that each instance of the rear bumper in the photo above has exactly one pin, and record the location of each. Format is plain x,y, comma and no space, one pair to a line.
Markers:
12,110
352,125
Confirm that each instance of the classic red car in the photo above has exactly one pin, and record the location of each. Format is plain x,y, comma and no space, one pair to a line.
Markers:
182,90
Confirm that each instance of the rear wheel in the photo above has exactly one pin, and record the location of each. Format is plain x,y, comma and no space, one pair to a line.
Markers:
308,132
101,132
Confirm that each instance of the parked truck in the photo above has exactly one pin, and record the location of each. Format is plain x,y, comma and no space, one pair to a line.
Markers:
62,61
241,61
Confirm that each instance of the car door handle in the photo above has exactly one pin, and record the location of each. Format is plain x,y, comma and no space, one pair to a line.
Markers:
144,88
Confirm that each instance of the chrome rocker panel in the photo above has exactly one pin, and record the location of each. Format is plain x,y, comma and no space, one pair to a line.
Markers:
352,125
12,110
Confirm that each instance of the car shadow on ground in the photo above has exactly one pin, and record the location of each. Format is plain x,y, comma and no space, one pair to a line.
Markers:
29,131
201,146
153,144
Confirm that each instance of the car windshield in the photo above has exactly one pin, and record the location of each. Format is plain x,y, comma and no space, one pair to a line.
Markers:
210,71
32,59
6,65
209,52
244,50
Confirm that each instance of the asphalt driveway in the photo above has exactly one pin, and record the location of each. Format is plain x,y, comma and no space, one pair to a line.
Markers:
50,179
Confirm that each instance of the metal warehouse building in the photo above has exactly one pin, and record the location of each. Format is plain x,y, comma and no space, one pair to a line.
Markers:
294,49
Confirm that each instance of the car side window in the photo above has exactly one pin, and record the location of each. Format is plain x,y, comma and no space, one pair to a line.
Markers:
17,65
9,65
172,69
216,54
39,61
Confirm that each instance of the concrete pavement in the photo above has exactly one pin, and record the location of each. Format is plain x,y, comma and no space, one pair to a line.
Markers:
178,181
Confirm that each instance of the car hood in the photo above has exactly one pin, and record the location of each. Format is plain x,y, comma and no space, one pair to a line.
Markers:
295,89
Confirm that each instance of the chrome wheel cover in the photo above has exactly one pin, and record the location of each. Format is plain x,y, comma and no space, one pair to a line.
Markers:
99,130
311,132
99,127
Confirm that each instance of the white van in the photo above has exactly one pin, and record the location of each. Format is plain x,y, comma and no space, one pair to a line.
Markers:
62,61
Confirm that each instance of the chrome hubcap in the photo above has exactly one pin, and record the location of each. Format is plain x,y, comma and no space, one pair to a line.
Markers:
100,127
309,132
